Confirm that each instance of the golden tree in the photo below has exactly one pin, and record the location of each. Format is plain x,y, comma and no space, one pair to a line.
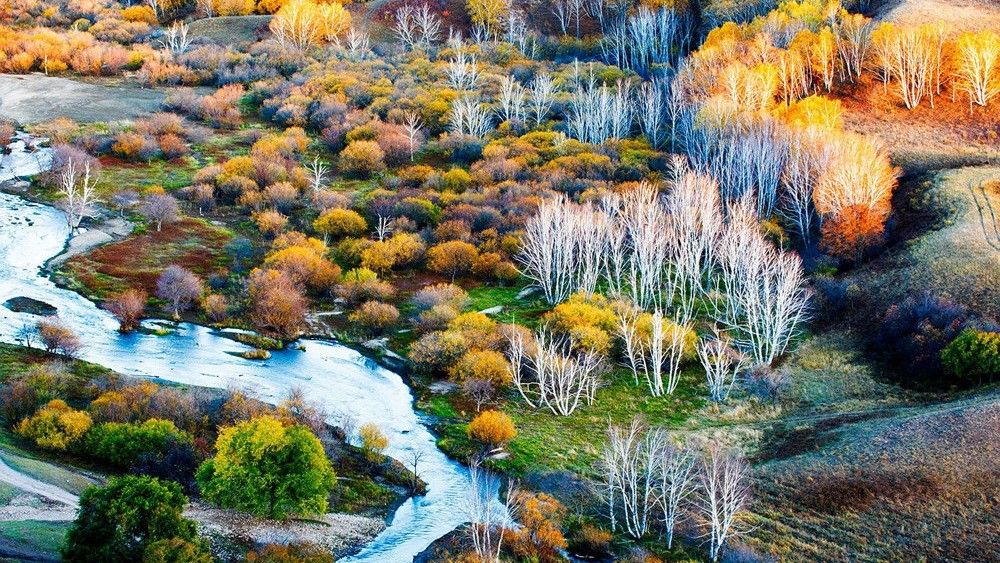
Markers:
978,65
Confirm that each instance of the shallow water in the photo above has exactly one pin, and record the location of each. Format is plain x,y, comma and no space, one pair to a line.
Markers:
343,381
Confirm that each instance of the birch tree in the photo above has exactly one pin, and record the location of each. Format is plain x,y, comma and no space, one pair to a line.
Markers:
562,248
677,483
487,517
469,117
630,464
978,65
654,348
724,487
722,365
552,373
77,175
541,96
764,298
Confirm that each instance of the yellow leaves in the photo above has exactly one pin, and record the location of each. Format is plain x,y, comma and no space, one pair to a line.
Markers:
301,23
489,13
859,174
373,440
55,426
493,428
812,113
488,365
978,65
340,222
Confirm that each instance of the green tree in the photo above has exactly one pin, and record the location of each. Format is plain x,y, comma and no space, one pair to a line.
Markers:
121,444
973,356
176,550
119,521
268,469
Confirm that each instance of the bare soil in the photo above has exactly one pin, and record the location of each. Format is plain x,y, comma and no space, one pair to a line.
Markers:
35,98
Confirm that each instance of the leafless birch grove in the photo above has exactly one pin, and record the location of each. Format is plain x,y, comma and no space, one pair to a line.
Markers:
548,372
648,481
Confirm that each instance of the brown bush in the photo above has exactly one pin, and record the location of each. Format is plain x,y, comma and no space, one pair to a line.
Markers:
127,307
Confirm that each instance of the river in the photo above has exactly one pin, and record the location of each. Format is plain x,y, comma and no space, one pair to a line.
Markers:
342,380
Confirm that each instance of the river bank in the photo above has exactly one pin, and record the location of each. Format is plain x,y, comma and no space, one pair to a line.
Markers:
347,383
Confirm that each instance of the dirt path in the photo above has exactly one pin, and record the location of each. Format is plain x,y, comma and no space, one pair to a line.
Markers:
115,228
34,486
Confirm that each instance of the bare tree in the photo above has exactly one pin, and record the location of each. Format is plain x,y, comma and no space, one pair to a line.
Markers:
722,366
383,227
487,517
764,294
552,373
541,96
512,100
677,480
358,43
657,355
562,248
178,287
630,463
175,38
77,174
649,108
808,159
469,117
317,174
160,208
462,72
413,124
724,480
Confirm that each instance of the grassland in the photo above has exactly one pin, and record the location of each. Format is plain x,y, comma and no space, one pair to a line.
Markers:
139,260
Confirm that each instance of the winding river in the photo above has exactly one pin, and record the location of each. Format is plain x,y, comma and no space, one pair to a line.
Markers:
342,380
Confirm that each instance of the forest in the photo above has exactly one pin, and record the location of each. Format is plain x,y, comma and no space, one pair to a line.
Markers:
499,280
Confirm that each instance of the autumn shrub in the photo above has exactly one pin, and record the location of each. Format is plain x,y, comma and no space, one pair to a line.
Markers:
854,232
973,356
216,307
305,265
539,537
361,284
128,307
58,338
588,319
270,222
134,146
492,428
482,364
593,541
373,441
55,426
479,330
172,146
430,296
140,13
291,553
434,352
452,258
339,223
362,158
277,304
374,316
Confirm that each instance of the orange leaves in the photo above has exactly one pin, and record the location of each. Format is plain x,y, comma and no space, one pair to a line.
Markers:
299,24
492,428
859,174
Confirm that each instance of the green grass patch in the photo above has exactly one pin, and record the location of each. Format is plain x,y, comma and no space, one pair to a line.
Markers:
549,442
524,311
16,360
171,175
47,537
47,472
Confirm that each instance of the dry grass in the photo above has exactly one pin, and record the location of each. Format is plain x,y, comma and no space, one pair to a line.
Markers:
229,30
924,138
957,15
923,482
956,260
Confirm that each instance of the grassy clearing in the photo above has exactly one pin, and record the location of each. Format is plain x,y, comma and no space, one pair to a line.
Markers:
44,537
15,360
42,470
523,311
171,175
138,261
546,442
